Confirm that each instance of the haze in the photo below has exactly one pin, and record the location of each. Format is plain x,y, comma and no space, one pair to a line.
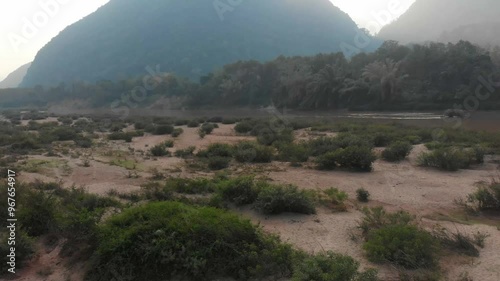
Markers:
13,15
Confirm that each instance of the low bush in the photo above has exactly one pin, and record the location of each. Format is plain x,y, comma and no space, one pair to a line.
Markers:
163,130
333,199
252,152
217,149
363,195
218,162
184,153
277,199
159,150
486,198
330,266
168,143
244,127
181,122
268,136
404,245
449,159
166,240
207,128
459,242
193,124
291,152
240,190
191,186
355,158
376,218
397,151
121,136
177,132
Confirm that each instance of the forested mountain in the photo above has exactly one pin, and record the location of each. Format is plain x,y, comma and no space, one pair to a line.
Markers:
395,77
445,21
188,38
15,78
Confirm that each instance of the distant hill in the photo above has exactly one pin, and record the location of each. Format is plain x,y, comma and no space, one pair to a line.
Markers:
189,38
15,78
446,20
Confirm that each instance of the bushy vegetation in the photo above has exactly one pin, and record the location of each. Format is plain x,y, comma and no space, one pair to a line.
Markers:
176,240
276,199
330,266
397,151
218,162
292,152
404,245
358,158
252,152
159,150
362,195
450,158
184,153
486,198
394,238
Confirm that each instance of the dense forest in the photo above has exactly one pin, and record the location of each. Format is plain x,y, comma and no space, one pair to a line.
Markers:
395,77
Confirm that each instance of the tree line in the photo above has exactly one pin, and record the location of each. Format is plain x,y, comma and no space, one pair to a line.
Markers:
395,77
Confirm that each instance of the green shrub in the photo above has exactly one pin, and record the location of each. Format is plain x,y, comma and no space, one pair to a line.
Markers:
333,199
184,153
330,266
181,122
458,242
83,142
207,128
247,152
356,158
291,152
193,124
121,136
485,198
449,159
376,218
40,215
240,190
404,245
277,199
177,132
217,149
269,136
159,150
397,151
163,130
362,195
168,143
243,127
218,162
191,186
166,240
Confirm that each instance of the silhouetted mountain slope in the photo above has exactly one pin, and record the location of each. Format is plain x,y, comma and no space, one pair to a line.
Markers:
432,20
188,38
15,78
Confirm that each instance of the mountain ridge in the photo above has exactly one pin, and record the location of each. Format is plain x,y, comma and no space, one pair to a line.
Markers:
188,38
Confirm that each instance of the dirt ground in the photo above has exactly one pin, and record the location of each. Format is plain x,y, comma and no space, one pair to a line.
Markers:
424,192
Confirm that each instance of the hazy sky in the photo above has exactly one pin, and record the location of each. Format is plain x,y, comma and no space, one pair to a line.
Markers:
27,25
